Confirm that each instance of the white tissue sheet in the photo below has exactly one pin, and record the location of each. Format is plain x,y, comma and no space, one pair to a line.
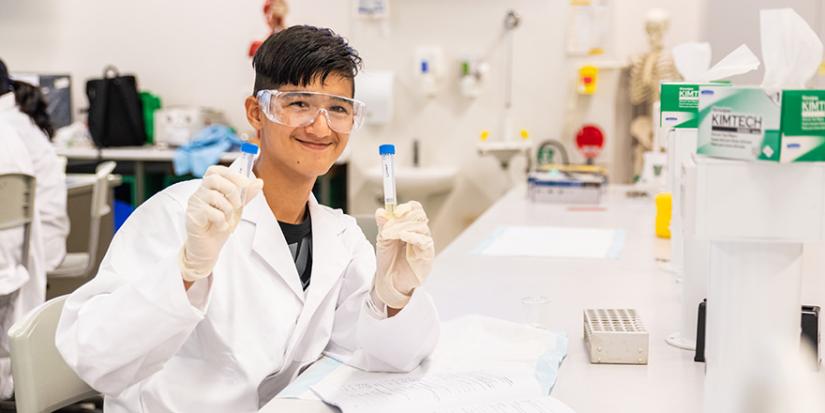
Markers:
791,50
692,60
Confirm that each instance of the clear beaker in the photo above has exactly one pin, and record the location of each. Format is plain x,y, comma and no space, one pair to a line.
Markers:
537,311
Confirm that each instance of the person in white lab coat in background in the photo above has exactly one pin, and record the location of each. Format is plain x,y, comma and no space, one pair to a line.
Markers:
216,293
24,109
22,284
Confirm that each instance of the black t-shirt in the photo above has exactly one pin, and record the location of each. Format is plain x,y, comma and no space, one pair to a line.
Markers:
299,239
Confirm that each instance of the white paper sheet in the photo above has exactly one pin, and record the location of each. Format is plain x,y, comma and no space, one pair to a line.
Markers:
481,364
554,242
491,391
472,341
466,343
534,405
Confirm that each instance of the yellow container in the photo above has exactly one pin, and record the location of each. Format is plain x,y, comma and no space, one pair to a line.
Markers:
588,79
664,210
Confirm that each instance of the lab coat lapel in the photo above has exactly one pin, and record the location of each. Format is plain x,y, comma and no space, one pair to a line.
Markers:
330,258
329,254
270,245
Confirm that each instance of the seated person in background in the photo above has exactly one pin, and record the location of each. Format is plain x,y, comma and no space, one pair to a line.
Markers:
22,284
216,293
24,109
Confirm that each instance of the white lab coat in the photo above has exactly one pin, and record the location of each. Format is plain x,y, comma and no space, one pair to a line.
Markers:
136,335
22,284
50,196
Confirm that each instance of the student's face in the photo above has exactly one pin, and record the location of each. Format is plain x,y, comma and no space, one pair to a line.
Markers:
307,151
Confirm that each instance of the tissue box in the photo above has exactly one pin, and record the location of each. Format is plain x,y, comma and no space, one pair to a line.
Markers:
680,105
803,126
738,122
679,114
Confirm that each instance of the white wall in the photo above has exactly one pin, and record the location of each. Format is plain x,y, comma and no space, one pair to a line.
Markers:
194,53
449,125
189,52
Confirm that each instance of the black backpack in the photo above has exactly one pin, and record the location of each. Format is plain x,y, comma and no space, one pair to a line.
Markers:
115,110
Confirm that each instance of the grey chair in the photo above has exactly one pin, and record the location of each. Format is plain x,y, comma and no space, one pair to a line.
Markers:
42,380
81,264
17,208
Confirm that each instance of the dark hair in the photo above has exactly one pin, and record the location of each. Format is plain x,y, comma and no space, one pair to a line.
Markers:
5,81
31,101
300,54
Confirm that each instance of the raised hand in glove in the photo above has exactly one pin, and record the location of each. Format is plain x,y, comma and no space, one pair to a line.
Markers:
212,213
404,250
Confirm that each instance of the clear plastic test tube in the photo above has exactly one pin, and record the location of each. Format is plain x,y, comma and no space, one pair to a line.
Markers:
248,152
387,153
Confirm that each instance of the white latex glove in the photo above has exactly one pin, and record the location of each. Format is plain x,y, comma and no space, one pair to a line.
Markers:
212,213
404,249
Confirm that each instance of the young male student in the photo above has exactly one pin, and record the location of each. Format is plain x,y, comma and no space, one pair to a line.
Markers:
216,293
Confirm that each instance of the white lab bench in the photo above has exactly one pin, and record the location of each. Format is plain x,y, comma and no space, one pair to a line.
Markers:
137,154
464,283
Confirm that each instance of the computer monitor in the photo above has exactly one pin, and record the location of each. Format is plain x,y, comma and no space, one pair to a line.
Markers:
57,89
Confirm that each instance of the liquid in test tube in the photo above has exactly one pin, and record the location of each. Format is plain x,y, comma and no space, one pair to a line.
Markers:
387,153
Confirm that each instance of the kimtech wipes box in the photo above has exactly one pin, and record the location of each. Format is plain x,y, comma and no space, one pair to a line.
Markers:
680,105
738,122
803,126
680,100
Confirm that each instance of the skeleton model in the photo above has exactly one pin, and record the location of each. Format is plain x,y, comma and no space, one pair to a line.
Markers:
646,72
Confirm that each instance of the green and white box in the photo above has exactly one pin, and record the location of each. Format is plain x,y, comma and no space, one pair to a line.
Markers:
738,122
803,126
680,105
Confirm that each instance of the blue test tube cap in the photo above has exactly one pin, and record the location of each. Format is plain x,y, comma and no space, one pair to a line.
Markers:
249,148
387,149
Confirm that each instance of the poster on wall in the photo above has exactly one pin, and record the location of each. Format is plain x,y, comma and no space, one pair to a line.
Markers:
588,27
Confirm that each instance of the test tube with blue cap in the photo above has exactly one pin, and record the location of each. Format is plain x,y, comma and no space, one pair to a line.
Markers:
248,153
387,153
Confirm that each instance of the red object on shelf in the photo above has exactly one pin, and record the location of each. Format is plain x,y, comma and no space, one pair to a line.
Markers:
590,141
274,12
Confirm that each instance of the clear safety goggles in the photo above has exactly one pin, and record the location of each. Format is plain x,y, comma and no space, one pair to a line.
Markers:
300,108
